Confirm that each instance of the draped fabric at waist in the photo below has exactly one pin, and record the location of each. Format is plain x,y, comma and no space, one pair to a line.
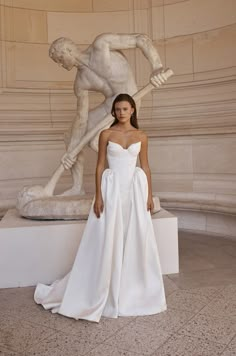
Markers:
124,170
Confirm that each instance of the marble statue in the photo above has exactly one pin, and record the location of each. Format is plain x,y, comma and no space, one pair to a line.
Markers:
102,68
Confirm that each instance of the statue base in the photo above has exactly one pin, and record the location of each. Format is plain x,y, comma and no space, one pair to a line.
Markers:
60,207
33,251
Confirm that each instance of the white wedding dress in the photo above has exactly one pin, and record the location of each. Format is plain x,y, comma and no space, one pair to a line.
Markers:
116,271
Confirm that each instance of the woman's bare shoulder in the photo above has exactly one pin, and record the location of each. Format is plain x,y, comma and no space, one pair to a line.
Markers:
141,132
104,137
142,135
105,133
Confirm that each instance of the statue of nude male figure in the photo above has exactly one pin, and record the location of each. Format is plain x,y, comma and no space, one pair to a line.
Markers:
104,69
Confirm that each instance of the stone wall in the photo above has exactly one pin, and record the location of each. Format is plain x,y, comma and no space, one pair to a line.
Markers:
190,121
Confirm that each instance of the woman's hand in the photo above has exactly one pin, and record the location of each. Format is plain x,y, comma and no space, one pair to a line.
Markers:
98,206
150,203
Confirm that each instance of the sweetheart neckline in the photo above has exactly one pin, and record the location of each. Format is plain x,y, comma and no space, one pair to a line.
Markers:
116,143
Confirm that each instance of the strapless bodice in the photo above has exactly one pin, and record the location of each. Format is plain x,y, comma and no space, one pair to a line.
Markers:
120,158
122,162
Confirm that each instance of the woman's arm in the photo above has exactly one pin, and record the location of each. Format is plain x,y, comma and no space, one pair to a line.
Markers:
101,161
143,156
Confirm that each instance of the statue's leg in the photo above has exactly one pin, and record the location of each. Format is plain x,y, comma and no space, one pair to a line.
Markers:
77,172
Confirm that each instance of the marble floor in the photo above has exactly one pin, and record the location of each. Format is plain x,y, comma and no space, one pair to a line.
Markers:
200,320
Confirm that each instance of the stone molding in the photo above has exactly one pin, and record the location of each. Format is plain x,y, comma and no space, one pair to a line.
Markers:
210,202
197,108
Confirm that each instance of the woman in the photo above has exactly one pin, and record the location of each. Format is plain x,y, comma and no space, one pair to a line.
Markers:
116,271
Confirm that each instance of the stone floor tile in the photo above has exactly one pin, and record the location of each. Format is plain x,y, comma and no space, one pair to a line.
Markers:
60,344
169,320
7,352
230,249
194,263
138,337
96,332
25,292
187,251
38,315
15,297
191,245
231,348
169,285
200,316
16,300
208,292
183,300
210,328
18,335
211,277
181,345
46,350
7,320
216,256
228,292
205,239
221,307
228,352
109,350
186,244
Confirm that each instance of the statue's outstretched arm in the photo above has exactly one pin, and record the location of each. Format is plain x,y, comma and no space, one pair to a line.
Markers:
125,41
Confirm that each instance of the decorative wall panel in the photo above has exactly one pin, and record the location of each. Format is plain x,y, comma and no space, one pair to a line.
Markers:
193,16
23,25
73,25
53,5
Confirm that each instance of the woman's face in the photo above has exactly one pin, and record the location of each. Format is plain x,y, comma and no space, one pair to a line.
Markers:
123,111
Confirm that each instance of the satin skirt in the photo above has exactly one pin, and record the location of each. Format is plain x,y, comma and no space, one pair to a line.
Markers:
116,271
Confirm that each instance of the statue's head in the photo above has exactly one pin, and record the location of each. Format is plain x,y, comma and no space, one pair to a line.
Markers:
63,51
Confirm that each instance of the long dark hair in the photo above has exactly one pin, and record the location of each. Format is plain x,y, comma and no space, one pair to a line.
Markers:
125,97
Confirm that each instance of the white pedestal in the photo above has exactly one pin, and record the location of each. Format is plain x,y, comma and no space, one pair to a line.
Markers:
43,251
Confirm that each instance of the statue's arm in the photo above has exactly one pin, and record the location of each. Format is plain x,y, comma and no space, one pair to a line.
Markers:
79,124
111,41
82,110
